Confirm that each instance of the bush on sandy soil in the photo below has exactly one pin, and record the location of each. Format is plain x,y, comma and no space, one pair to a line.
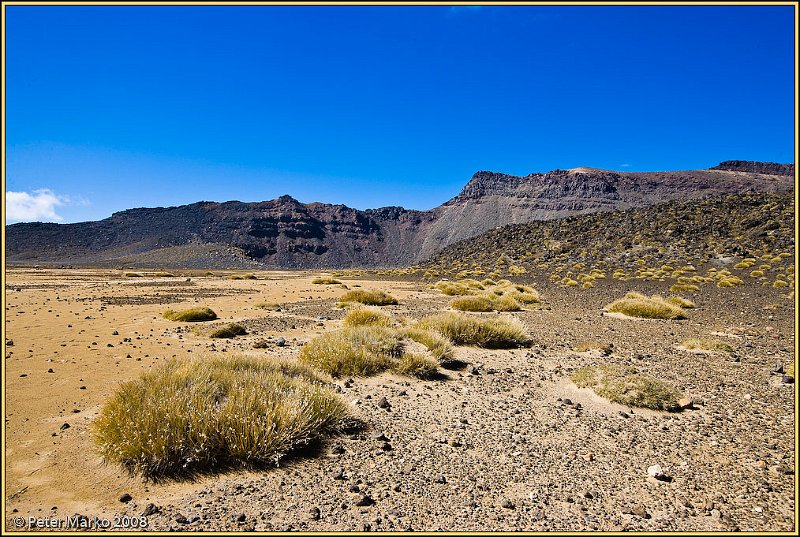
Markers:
367,317
360,351
370,298
713,345
590,345
467,330
684,288
242,277
638,305
472,303
268,306
626,387
228,331
439,346
214,412
324,280
191,315
453,288
680,302
417,365
134,275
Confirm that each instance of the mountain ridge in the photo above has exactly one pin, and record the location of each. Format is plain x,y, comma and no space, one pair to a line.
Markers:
286,233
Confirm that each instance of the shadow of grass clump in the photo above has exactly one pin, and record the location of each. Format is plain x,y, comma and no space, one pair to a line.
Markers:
210,414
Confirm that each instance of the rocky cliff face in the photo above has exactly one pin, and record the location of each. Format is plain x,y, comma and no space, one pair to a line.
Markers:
286,233
750,166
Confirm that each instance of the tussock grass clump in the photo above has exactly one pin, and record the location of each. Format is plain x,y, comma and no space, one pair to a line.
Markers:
370,298
730,281
473,303
191,315
626,387
439,346
684,288
712,345
214,412
589,345
242,277
324,280
268,306
360,351
453,288
681,302
164,275
466,330
417,365
638,305
366,317
228,331
134,275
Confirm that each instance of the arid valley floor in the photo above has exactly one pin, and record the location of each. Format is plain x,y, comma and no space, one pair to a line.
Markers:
506,442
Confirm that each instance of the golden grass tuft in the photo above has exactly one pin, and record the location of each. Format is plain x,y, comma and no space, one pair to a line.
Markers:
417,365
359,351
626,387
638,305
681,302
684,288
191,315
210,413
370,298
712,345
439,346
590,345
324,280
268,306
467,330
366,317
228,331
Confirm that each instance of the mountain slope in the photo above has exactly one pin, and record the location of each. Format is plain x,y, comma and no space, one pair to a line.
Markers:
285,233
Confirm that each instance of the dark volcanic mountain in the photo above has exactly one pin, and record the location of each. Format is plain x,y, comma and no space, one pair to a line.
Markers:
286,233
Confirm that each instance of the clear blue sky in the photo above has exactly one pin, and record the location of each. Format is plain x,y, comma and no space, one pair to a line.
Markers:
113,107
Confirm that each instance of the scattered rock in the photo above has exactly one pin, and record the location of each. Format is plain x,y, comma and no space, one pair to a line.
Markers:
125,498
384,403
364,501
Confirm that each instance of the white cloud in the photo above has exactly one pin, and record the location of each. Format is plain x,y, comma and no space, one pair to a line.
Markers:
626,165
40,206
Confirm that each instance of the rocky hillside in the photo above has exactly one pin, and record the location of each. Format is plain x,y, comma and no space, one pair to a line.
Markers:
719,228
285,233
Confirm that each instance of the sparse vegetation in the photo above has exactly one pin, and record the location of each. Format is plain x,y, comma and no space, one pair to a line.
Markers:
242,277
467,330
627,387
360,351
370,298
711,345
325,280
191,315
268,306
638,305
228,331
366,317
590,345
417,365
681,302
684,288
212,412
439,346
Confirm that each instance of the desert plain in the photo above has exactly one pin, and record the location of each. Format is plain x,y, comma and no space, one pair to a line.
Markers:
505,441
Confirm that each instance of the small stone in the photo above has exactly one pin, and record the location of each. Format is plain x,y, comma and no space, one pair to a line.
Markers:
364,501
150,510
386,446
65,426
125,498
685,403
241,517
566,402
50,370
656,472
339,474
380,436
115,333
588,457
314,513
280,342
355,488
180,519
640,511
440,479
507,504
384,403
787,379
624,414
338,449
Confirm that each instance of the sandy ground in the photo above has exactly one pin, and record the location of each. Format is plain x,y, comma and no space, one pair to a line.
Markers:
494,446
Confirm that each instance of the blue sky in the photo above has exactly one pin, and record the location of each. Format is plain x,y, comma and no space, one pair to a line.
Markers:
113,107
